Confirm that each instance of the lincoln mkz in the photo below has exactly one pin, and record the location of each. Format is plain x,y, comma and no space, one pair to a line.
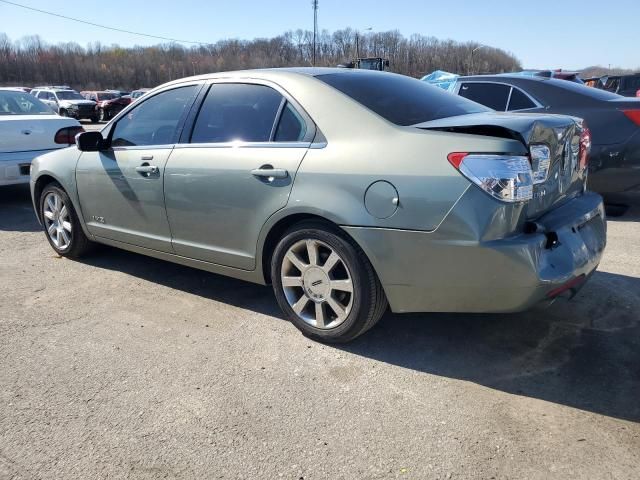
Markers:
349,191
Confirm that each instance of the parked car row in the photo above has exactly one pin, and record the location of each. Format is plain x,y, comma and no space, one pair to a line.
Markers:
29,128
349,191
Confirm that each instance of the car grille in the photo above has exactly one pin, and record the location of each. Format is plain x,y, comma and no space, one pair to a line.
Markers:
85,109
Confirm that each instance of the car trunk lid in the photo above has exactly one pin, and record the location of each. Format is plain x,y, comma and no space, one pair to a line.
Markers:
22,133
561,134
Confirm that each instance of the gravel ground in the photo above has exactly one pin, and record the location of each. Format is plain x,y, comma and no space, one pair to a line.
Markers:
121,366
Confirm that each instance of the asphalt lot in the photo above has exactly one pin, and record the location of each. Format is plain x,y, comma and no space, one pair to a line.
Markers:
122,366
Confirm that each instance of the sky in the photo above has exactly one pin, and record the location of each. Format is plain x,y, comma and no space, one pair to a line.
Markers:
568,34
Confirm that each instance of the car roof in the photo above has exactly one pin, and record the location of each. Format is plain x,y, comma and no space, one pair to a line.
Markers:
272,73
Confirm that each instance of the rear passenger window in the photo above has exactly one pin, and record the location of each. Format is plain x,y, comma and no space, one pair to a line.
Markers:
291,127
490,95
519,101
239,112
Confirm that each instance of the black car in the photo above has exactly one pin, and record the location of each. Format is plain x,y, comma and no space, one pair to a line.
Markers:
613,120
625,85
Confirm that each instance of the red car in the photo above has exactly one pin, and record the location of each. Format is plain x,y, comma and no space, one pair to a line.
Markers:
108,104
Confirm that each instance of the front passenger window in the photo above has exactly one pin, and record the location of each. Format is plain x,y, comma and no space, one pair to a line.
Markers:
156,120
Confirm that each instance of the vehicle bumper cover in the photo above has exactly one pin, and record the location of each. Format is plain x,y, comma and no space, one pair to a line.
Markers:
14,166
423,272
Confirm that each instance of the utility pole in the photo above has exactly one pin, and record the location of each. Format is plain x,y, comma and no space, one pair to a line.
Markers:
472,52
314,4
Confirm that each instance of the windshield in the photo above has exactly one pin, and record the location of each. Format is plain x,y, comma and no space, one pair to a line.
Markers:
68,95
399,99
20,103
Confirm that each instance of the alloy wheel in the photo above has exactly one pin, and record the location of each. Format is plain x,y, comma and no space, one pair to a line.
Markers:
317,283
57,221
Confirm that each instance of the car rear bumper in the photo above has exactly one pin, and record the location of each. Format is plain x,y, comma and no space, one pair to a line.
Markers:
423,272
15,166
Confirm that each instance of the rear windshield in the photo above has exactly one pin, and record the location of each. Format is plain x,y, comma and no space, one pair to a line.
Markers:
20,103
580,89
399,99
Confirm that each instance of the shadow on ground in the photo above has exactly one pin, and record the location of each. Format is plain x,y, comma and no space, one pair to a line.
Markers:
584,354
16,212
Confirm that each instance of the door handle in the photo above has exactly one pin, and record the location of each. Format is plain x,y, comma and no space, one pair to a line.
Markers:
147,170
270,173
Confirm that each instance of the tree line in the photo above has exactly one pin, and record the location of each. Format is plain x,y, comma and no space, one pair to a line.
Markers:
31,61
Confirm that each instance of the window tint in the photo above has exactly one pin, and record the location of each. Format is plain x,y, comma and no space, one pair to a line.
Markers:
237,112
401,100
291,127
154,121
491,95
519,101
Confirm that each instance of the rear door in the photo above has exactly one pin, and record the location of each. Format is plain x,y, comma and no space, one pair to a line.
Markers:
121,189
233,171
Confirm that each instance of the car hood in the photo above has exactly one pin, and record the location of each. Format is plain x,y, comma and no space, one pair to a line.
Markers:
77,102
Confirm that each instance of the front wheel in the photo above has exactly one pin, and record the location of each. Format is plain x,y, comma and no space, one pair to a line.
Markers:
61,223
325,283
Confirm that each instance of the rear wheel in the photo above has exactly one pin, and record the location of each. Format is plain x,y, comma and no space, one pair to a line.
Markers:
95,119
325,283
62,227
64,113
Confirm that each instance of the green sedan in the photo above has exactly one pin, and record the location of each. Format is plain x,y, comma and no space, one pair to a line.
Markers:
349,191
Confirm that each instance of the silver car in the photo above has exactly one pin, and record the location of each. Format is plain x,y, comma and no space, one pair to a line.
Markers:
347,190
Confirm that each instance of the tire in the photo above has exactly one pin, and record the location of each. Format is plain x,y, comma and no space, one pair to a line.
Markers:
331,292
64,113
95,119
61,224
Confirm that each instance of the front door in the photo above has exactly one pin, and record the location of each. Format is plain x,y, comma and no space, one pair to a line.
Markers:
121,189
236,170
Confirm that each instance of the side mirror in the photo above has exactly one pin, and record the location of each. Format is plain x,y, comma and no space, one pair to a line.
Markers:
91,142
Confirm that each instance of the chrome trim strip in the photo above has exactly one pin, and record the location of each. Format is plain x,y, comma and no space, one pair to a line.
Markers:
246,145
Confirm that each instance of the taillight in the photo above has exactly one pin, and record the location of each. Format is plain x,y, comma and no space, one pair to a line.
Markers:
540,162
585,146
506,177
633,115
67,135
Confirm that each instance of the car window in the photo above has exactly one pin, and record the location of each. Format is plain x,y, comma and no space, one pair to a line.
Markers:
399,99
492,95
237,112
291,127
519,101
20,103
154,121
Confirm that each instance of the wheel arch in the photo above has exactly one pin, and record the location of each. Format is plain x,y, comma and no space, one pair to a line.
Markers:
275,230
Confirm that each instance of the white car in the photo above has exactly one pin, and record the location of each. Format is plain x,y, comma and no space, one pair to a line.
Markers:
29,128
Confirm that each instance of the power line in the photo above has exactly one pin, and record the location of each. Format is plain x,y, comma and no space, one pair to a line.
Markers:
102,26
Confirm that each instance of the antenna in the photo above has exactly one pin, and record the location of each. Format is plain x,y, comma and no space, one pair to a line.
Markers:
314,4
